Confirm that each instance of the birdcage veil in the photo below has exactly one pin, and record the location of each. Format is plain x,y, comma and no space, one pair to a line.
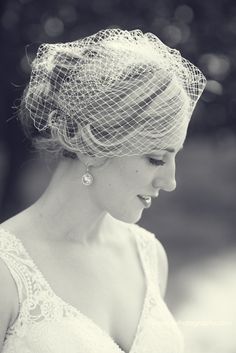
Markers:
114,93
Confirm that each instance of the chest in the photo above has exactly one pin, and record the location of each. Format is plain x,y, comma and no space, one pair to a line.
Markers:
107,287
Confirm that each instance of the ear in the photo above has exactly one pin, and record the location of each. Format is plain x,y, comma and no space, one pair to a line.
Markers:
93,161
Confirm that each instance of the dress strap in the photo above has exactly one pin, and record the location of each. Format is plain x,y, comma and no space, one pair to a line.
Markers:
12,256
148,249
33,292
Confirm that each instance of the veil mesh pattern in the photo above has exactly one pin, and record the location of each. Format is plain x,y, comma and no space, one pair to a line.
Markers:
114,93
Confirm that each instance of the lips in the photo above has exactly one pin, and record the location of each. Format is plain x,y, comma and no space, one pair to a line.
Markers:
145,197
146,200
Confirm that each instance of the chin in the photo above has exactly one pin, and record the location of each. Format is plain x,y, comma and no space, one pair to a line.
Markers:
127,217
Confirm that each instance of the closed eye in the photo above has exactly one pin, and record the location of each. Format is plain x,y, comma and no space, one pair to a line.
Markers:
156,162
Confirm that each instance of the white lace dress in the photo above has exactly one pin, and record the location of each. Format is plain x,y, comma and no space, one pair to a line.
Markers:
47,324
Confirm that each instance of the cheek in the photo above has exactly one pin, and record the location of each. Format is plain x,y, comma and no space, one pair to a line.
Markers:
130,179
109,183
122,178
134,176
110,193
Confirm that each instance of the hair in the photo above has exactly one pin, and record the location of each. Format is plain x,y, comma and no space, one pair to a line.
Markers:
114,93
45,141
51,141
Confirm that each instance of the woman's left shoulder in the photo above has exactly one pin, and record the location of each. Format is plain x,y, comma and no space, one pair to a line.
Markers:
162,258
139,230
146,235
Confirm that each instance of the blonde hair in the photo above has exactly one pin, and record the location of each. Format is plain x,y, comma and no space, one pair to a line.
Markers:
111,94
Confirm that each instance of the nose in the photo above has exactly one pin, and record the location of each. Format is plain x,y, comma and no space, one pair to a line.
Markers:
166,179
171,186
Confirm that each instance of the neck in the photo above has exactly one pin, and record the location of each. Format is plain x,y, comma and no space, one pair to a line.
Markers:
67,210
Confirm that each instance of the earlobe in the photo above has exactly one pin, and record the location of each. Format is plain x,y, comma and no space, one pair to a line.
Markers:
101,162
96,162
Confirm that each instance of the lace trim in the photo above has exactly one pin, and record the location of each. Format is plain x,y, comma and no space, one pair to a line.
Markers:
39,302
37,299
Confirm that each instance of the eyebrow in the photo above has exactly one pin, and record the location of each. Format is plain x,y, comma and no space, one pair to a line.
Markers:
168,149
172,150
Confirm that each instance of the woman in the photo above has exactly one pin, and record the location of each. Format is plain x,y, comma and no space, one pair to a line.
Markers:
78,275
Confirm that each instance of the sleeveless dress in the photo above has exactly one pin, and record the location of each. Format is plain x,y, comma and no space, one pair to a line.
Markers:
48,324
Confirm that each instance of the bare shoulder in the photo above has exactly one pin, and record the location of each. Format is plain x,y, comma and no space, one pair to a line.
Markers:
8,300
9,297
18,224
162,258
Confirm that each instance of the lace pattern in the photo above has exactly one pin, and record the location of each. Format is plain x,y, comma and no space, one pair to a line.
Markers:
46,323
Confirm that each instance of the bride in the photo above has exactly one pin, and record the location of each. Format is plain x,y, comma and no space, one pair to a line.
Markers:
77,273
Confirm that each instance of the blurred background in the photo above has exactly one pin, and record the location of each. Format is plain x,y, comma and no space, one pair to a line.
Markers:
196,223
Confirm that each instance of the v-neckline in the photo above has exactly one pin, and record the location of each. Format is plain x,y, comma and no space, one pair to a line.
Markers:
77,311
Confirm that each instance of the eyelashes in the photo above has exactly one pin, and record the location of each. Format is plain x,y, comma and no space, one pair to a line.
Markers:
156,162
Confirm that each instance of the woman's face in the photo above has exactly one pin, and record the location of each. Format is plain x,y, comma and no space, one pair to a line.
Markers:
119,182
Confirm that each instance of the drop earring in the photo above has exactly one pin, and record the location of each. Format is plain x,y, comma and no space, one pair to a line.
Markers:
87,178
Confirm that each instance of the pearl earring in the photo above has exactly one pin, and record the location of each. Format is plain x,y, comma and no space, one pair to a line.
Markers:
87,178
